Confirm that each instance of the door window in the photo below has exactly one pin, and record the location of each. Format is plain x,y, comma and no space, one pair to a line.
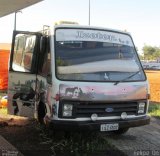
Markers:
23,52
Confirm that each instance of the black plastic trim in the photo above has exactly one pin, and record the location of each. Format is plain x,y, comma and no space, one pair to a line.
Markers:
76,102
91,125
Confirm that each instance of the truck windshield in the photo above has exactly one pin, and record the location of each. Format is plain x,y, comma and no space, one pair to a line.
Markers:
95,55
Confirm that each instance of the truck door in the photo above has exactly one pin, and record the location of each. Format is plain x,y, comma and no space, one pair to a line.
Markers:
22,87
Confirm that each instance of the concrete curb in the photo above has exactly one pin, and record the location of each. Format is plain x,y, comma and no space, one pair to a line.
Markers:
7,149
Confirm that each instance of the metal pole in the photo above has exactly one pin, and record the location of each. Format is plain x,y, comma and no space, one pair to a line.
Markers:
89,11
15,20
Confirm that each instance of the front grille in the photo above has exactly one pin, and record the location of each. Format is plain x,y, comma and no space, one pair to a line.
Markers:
86,109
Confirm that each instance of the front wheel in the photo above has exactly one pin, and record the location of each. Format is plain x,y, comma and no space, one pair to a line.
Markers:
41,112
121,131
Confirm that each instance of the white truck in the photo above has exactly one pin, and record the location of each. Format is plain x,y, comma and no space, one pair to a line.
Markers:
78,77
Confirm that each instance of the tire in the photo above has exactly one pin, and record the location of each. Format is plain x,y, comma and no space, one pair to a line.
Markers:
121,131
41,113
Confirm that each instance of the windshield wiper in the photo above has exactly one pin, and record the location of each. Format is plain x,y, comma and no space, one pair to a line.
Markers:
127,77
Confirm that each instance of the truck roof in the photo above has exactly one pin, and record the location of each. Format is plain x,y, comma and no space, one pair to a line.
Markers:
89,27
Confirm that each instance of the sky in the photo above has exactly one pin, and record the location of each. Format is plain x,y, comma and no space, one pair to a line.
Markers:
139,17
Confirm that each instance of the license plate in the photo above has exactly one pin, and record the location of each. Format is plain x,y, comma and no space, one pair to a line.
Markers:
109,127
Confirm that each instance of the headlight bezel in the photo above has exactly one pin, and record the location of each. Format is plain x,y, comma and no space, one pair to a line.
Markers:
67,110
61,109
141,107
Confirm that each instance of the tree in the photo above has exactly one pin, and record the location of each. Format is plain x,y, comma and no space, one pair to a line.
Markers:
151,53
140,56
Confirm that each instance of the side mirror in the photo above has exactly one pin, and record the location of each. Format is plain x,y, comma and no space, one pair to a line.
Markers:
49,78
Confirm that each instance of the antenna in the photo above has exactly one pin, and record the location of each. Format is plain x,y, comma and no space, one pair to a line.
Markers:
89,12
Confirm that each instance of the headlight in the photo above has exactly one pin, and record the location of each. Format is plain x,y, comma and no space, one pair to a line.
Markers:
141,108
67,110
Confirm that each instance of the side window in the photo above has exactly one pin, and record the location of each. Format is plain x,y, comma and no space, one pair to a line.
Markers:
23,52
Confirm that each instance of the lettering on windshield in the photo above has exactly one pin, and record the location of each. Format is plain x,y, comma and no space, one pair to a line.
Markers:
82,34
93,35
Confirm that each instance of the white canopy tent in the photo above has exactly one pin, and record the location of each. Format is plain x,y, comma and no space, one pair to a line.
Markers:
10,6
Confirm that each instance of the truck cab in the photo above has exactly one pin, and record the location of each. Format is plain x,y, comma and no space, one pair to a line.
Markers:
78,77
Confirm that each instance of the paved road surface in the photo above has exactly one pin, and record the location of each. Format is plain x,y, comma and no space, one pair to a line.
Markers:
139,141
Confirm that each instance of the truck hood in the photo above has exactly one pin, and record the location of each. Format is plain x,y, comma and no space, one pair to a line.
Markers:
104,92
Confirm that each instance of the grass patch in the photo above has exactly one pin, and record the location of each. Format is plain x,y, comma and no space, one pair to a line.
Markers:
154,109
3,111
77,143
